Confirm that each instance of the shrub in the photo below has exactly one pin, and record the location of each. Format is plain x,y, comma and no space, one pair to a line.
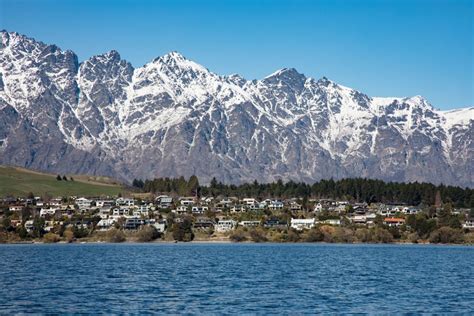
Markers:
382,235
51,238
446,235
68,235
237,236
363,235
183,231
413,237
258,235
313,235
147,233
469,238
292,236
115,235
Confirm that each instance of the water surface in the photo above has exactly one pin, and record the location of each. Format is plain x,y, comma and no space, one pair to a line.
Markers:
235,278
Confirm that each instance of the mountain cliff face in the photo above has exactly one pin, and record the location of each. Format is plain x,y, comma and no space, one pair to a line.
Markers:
174,117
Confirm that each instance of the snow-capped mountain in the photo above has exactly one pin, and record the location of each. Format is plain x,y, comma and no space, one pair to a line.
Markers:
174,117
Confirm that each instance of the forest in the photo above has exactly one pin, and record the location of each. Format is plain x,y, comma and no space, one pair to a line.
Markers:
354,189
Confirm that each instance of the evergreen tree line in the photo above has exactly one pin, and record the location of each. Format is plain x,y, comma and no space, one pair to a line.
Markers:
63,178
354,189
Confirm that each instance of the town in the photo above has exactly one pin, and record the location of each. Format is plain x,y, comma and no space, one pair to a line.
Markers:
145,217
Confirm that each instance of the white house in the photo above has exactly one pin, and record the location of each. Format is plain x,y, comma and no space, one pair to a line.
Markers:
83,203
302,223
249,223
225,225
104,203
335,222
125,202
295,206
186,201
29,225
249,201
468,224
275,205
47,211
238,209
318,207
160,226
105,223
182,209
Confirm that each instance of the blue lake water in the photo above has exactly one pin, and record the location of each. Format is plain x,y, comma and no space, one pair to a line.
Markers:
236,278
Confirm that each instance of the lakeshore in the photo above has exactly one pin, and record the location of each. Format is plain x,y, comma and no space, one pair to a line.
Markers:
346,211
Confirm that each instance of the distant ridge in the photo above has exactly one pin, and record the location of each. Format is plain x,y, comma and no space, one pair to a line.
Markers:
174,117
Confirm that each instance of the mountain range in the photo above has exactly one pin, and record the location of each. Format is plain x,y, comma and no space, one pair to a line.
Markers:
173,117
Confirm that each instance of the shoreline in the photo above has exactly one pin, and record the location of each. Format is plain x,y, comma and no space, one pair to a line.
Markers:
217,242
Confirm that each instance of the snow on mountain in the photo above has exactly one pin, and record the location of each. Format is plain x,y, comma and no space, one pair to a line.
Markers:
174,117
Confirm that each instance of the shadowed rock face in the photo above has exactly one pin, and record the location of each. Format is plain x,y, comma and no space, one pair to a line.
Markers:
173,117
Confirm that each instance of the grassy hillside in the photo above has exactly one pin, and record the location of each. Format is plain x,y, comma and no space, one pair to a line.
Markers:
19,182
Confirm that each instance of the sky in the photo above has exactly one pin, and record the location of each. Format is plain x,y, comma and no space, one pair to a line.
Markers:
379,47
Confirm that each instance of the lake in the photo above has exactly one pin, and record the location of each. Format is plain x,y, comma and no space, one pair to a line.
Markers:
236,278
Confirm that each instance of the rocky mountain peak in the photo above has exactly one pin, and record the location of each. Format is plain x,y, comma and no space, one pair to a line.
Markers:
174,117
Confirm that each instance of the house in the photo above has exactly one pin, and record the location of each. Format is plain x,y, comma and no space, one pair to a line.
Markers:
249,223
141,210
275,223
187,201
83,203
249,201
469,224
164,201
49,226
388,212
334,222
318,207
275,205
295,206
125,202
363,219
225,203
225,225
48,211
203,223
199,209
238,209
104,203
359,219
105,224
16,208
29,225
180,210
120,211
207,200
302,223
411,210
394,221
160,226
55,202
133,222
104,212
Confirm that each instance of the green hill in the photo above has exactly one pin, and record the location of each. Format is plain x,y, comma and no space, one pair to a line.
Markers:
19,182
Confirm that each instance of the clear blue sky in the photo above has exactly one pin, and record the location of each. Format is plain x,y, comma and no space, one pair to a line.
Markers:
382,48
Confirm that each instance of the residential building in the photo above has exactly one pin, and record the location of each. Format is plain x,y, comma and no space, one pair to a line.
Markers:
225,225
394,221
302,223
249,223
